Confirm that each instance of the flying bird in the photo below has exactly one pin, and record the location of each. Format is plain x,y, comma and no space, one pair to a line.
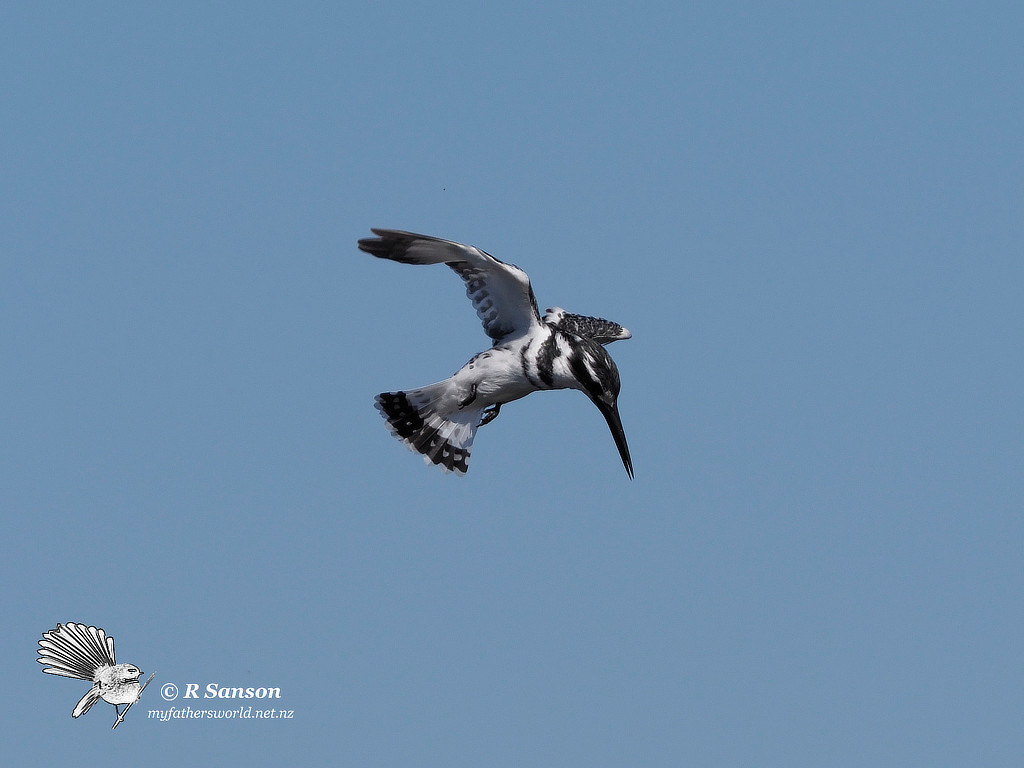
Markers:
86,653
528,353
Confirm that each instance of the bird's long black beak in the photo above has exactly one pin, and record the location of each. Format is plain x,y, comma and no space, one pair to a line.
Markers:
611,415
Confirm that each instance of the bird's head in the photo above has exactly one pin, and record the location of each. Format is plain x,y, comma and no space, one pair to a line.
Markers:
126,672
598,378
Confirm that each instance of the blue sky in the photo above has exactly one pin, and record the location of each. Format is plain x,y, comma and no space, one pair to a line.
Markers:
809,216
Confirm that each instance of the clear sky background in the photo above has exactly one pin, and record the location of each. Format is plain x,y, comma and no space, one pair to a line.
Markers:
811,217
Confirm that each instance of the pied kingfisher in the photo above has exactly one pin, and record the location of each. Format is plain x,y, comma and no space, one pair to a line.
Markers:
529,353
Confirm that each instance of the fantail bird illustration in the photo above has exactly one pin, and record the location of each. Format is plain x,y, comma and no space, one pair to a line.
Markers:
86,653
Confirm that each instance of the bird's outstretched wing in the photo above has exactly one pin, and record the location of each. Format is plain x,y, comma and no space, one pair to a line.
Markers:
594,328
75,650
500,292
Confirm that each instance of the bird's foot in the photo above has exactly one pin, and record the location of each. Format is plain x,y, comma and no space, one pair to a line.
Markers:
490,414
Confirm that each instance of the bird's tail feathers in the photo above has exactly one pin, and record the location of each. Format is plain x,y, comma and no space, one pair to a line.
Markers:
87,701
75,650
421,420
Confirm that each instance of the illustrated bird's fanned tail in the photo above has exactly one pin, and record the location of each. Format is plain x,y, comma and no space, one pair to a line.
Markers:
87,701
75,650
443,437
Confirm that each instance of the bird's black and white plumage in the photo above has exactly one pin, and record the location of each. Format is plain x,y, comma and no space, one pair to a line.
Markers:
528,353
86,653
594,328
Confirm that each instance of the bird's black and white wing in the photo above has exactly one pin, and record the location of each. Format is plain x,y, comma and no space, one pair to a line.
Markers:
75,650
500,292
594,328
